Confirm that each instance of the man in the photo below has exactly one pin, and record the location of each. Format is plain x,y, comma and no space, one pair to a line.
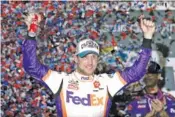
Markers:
154,103
82,93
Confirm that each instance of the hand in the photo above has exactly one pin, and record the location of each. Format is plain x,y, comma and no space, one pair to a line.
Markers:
32,20
147,26
157,105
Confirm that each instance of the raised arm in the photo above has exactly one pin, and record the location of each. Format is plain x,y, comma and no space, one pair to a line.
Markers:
30,62
137,71
51,79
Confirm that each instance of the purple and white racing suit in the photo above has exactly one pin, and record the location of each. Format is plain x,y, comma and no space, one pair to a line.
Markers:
79,95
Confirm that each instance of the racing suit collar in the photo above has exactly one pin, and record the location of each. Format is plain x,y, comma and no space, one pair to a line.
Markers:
159,95
83,78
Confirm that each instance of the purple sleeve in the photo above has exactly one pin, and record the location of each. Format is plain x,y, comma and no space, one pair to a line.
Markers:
170,105
137,71
30,62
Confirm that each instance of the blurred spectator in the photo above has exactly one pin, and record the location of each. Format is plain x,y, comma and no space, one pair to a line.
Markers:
154,102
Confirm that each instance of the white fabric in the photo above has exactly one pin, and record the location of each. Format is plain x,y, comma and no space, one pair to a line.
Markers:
87,45
79,94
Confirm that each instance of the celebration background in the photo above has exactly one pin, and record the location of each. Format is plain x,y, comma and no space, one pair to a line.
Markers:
113,24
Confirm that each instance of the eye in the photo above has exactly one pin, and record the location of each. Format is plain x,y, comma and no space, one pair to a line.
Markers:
94,56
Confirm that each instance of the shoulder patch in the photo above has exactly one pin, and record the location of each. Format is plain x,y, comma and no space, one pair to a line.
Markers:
129,107
142,101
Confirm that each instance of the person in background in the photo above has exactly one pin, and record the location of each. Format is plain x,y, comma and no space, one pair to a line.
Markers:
83,93
154,102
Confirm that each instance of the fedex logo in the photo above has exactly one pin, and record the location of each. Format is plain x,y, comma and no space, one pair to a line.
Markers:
89,100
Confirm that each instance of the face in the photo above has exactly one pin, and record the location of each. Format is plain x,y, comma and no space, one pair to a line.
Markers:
87,64
151,80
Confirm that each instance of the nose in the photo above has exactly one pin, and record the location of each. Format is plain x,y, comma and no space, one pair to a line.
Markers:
90,60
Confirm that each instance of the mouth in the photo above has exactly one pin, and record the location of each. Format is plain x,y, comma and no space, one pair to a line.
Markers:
89,67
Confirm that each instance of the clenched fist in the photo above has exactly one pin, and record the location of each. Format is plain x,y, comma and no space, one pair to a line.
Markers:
32,20
148,27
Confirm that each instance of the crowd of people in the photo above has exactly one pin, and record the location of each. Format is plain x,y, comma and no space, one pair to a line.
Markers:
63,24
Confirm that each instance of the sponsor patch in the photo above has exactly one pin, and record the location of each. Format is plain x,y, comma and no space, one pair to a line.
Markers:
129,107
142,101
73,85
96,84
84,78
141,106
88,100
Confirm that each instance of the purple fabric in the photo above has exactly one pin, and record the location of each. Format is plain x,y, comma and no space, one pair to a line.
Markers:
59,106
109,103
30,63
158,96
140,107
137,71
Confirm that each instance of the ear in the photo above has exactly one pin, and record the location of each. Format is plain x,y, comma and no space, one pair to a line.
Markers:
75,58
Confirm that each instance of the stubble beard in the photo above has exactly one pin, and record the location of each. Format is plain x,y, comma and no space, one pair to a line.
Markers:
81,71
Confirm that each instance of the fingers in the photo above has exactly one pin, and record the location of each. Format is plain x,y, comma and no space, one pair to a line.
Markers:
148,23
33,18
39,18
158,102
157,105
141,19
141,16
154,105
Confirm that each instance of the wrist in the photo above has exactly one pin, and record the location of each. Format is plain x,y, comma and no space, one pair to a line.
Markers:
146,43
31,34
28,37
148,36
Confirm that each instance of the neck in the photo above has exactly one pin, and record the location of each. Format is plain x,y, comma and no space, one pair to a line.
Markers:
152,90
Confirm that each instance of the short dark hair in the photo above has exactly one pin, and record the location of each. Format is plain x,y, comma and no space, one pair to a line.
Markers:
154,68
